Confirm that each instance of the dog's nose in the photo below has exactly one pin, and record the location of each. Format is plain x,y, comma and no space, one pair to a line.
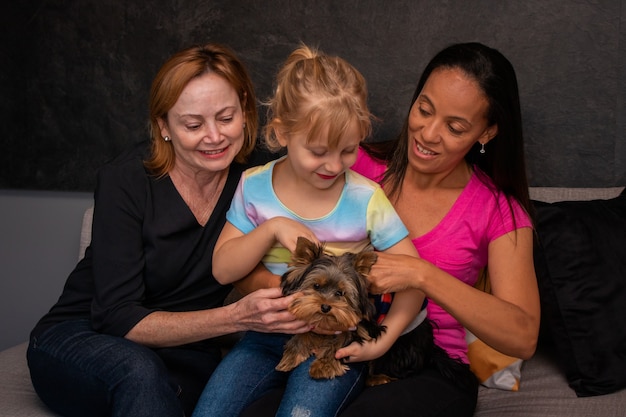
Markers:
325,308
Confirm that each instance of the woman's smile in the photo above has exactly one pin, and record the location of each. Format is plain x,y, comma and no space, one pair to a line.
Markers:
215,153
424,151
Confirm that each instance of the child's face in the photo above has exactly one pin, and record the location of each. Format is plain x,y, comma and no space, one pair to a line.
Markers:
318,164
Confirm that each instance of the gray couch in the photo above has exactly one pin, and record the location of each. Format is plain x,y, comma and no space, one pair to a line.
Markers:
544,389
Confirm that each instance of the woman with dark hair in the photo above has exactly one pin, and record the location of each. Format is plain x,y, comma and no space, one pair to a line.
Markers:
502,160
133,333
456,176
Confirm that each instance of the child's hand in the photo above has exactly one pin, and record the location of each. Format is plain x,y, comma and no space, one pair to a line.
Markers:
356,352
286,232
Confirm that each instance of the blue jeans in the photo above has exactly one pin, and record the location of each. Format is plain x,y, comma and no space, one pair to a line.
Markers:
247,373
77,371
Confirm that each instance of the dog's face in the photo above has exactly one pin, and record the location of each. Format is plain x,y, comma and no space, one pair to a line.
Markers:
334,288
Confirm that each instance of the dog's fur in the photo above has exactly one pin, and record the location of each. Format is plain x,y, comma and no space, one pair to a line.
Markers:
335,295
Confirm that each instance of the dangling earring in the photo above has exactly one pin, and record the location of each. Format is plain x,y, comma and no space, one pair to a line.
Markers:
166,138
482,148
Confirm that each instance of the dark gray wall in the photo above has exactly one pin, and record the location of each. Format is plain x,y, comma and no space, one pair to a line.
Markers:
75,74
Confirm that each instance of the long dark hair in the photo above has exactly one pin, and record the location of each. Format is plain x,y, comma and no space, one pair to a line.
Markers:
503,160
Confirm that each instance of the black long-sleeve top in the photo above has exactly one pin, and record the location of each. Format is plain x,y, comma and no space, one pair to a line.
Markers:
147,252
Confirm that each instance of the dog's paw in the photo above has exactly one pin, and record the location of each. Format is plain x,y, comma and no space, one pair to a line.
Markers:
284,367
379,379
321,369
290,361
369,329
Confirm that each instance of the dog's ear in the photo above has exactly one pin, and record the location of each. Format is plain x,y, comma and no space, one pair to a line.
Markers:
365,306
302,258
306,252
364,260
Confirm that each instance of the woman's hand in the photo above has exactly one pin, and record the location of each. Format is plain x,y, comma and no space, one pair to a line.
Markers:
265,311
394,273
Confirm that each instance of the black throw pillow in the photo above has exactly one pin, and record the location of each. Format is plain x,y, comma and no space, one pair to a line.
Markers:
581,271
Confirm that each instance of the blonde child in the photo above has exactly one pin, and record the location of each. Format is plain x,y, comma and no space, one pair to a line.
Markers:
319,115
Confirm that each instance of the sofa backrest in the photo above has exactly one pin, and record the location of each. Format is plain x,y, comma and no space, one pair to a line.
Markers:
547,194
552,194
85,232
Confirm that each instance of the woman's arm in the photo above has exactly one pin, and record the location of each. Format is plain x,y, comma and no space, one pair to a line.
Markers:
262,311
507,319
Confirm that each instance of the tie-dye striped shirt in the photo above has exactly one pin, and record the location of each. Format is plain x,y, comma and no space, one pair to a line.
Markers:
362,215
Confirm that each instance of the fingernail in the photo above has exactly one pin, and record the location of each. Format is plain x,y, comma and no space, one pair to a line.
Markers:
338,332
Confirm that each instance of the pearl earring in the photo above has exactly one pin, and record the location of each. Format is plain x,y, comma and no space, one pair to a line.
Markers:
166,138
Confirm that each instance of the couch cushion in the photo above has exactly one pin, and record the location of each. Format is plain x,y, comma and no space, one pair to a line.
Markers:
17,396
581,271
544,392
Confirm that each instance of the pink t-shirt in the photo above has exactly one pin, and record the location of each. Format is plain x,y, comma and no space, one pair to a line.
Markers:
459,243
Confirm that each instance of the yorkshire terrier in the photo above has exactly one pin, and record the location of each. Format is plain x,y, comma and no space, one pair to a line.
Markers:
334,296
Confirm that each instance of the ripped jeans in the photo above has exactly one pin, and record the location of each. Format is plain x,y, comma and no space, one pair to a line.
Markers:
247,373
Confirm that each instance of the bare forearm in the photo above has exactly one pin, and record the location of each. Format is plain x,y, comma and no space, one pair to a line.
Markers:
499,323
166,329
508,320
237,257
262,311
405,307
